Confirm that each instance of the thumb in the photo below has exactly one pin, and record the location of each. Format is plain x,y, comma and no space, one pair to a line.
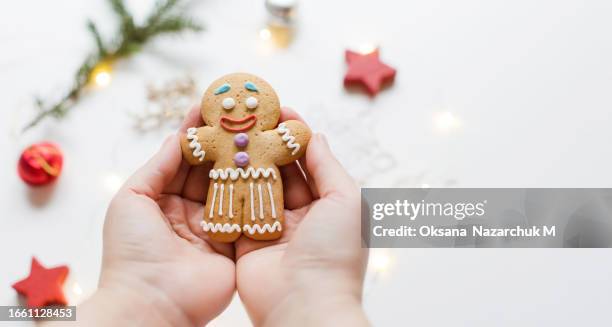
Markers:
151,178
327,173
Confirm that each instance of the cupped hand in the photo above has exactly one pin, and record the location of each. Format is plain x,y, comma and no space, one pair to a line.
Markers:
314,273
155,251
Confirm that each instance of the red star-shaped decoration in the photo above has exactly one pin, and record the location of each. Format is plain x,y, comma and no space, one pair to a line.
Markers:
43,286
367,70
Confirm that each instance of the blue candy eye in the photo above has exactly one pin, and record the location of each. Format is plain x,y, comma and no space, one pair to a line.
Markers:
222,89
251,87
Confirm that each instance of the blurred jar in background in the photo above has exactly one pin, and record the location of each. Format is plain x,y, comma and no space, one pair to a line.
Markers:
280,22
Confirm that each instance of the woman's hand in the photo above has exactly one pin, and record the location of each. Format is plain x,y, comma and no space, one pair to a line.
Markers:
158,266
314,273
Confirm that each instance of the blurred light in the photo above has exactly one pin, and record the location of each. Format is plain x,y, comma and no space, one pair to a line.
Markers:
367,48
103,79
265,34
446,122
380,260
76,289
425,185
101,75
112,182
277,36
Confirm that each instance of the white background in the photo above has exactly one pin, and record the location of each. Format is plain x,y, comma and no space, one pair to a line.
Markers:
488,94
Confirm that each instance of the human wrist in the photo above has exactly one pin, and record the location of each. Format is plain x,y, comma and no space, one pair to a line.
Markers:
320,297
130,305
142,295
134,306
318,308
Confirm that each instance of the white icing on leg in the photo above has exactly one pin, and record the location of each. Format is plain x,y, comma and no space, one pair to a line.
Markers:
271,200
288,138
212,204
261,215
192,135
252,210
223,228
231,195
252,229
221,199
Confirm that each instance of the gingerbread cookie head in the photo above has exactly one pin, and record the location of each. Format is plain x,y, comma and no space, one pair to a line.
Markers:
240,102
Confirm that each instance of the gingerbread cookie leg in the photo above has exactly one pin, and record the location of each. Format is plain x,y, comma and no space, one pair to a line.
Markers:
222,212
263,210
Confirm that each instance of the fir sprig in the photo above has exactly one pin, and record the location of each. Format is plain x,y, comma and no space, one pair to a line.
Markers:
167,17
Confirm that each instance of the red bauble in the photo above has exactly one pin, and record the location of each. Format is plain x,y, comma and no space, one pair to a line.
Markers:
43,286
368,71
40,163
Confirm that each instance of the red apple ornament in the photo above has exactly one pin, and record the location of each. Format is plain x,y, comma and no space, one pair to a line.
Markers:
40,163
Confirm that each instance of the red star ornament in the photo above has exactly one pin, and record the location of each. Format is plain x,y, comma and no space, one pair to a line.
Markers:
43,286
367,70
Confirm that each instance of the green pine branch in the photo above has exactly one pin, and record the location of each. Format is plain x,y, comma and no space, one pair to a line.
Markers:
166,18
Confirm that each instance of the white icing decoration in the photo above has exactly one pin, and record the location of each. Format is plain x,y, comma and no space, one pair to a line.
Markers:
228,103
288,138
223,228
251,102
233,174
231,195
221,199
271,200
212,204
192,135
261,216
266,228
252,210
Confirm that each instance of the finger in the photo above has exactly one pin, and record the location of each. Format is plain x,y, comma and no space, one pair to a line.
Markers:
327,173
177,184
290,114
158,171
196,183
309,180
193,118
297,193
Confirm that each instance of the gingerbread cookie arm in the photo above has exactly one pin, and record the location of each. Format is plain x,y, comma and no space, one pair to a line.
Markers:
288,141
198,145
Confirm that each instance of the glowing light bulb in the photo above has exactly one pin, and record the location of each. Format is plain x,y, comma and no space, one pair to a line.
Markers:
446,122
103,79
380,261
112,182
367,48
76,289
265,34
101,75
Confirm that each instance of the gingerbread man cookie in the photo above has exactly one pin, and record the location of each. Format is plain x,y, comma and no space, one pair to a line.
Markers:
247,144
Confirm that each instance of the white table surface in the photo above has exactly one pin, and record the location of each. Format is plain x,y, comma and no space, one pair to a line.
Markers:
527,82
